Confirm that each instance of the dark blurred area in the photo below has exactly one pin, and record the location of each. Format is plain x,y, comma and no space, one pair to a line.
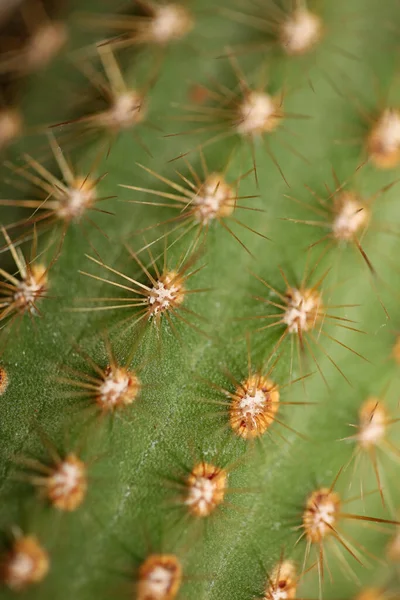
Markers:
19,21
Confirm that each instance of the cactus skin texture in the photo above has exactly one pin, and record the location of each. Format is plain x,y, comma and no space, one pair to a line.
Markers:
178,455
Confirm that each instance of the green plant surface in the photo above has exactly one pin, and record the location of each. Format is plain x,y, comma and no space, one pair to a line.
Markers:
130,508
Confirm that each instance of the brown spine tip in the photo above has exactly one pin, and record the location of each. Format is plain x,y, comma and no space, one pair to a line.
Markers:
160,577
3,380
396,350
25,564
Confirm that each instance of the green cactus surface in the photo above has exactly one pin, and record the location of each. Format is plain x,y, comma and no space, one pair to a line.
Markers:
199,327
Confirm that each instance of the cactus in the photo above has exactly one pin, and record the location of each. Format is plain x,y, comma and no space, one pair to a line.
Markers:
199,345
